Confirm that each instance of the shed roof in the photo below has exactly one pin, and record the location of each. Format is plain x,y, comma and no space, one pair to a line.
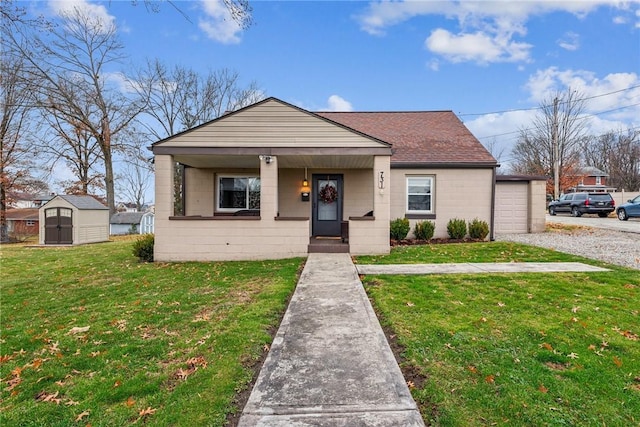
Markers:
83,202
126,218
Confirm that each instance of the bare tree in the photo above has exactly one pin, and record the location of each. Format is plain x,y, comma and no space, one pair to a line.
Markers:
16,127
618,154
551,145
71,61
179,98
71,143
135,178
496,151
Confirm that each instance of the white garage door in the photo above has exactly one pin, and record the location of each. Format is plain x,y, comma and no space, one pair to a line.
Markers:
511,210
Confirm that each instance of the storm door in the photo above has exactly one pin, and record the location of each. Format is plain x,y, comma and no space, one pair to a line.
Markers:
58,226
327,205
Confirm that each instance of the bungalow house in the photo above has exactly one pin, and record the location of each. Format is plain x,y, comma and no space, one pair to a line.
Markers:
273,180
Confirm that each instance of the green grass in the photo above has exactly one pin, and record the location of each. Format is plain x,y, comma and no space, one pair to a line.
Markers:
166,344
515,349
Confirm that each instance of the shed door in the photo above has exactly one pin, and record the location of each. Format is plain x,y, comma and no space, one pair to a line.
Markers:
58,226
512,207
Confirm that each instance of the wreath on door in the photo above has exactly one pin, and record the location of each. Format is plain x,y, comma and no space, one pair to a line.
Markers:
328,194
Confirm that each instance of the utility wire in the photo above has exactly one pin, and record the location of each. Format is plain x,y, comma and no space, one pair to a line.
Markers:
580,118
541,107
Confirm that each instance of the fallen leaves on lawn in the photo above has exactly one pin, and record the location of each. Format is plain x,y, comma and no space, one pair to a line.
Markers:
542,388
43,396
145,413
629,335
78,330
617,362
82,415
129,402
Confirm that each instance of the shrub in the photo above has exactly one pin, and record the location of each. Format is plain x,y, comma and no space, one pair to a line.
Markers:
457,228
399,228
423,230
143,248
478,229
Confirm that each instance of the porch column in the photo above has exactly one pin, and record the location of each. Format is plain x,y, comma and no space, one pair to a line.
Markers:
268,187
164,171
382,196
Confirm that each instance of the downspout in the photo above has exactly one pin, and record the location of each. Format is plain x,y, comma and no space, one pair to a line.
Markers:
493,203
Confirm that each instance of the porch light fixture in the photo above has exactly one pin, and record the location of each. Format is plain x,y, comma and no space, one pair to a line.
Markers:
304,195
267,159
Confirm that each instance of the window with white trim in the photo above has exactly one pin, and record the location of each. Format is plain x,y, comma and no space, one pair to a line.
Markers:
420,194
598,180
238,192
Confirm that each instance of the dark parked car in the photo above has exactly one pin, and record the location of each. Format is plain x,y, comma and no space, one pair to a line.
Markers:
629,210
583,203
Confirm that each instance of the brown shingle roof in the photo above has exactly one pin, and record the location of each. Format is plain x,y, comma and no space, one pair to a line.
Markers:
431,137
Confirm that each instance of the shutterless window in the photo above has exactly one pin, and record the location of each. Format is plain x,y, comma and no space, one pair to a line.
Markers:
238,192
420,194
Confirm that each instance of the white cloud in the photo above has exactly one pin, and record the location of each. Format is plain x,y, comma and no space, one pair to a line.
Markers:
478,47
570,41
101,17
337,103
487,28
218,24
609,106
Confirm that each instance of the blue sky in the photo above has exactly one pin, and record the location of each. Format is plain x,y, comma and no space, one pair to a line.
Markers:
480,59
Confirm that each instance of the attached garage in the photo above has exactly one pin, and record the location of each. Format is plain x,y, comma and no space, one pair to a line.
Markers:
73,220
520,204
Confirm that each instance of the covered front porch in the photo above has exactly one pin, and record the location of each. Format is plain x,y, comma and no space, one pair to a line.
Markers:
258,203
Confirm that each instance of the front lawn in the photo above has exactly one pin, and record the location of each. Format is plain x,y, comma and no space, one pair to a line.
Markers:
514,349
90,336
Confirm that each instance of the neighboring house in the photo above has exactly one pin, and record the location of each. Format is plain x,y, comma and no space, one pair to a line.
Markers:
591,179
73,220
20,200
22,222
131,223
271,180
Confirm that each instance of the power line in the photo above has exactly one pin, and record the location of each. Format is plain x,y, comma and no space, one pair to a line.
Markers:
546,106
580,118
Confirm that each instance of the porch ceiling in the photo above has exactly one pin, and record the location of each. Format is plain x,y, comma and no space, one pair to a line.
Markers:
324,161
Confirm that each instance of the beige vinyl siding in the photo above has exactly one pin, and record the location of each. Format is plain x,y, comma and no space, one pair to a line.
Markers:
457,193
270,124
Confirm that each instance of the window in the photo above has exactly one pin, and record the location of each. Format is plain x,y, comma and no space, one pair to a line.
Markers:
598,180
419,194
238,192
30,223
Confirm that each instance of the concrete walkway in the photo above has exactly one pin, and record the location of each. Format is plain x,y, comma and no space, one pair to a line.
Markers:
475,268
330,363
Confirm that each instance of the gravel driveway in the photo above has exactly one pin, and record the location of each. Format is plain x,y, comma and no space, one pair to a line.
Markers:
615,247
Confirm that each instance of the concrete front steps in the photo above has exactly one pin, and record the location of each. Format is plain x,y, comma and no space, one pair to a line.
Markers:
327,245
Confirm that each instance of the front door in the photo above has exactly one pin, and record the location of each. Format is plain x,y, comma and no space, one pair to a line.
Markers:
58,226
327,205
